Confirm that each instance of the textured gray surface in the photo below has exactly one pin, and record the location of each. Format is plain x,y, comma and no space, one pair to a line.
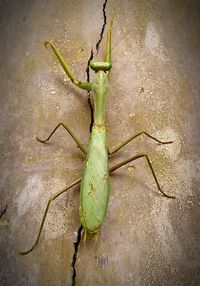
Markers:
154,86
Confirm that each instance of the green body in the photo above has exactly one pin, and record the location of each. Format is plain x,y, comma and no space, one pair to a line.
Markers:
95,181
94,192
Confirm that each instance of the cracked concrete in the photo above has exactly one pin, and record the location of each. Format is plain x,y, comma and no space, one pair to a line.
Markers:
154,86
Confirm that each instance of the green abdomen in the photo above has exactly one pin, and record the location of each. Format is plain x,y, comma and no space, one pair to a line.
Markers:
94,192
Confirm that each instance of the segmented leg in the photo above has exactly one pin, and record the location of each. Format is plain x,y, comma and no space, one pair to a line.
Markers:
78,83
119,146
108,43
52,198
70,133
117,166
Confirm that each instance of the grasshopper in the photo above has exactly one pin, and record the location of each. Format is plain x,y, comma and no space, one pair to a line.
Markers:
95,188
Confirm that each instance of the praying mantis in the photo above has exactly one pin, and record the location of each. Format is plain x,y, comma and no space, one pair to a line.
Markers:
95,188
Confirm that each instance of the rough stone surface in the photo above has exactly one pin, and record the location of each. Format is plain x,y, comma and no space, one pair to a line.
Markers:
154,87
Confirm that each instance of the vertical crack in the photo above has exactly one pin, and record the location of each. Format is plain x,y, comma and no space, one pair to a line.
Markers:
91,58
78,240
88,93
103,27
76,245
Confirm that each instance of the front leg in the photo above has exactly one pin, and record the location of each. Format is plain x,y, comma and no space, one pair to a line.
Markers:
75,81
122,144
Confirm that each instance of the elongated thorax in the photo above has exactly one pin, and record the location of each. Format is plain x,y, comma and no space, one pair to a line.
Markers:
94,193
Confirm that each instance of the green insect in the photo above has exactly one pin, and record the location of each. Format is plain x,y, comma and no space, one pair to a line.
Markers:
95,188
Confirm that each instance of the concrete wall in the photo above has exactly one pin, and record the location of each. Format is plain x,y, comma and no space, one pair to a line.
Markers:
146,239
